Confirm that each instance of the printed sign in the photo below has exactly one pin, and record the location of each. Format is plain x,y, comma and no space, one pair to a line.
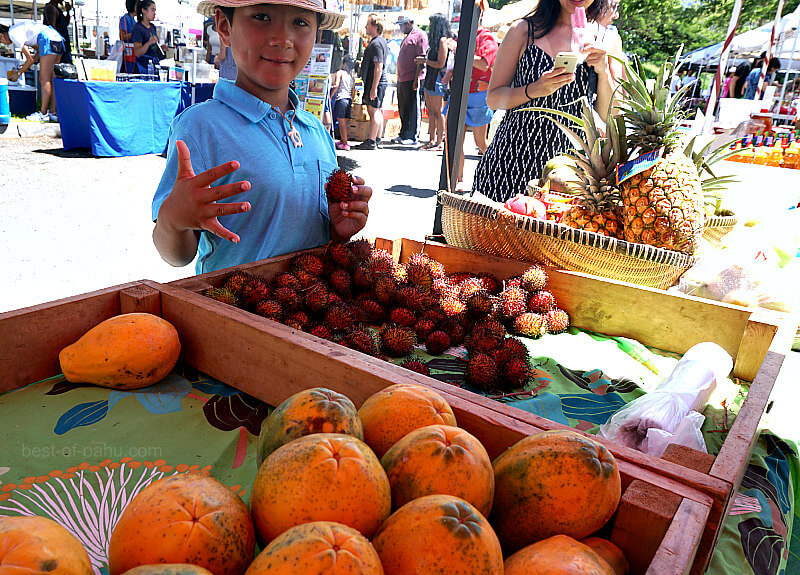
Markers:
638,165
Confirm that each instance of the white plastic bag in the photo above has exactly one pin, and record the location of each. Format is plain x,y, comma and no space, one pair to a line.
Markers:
665,415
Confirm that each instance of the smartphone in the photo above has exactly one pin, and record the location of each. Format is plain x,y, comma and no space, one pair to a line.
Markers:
567,60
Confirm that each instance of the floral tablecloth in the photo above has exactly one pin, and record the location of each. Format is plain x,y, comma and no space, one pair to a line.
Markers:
79,453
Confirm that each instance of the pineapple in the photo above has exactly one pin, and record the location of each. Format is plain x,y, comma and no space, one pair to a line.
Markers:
663,205
595,158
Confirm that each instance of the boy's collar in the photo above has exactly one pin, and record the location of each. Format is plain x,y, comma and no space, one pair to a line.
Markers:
246,104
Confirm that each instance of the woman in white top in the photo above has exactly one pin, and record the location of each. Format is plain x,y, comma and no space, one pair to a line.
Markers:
50,45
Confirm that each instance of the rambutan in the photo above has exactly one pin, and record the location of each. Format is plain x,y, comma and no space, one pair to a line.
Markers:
397,341
455,330
334,297
442,288
293,323
437,343
339,186
481,341
339,281
469,287
515,373
423,328
288,298
385,289
435,314
482,371
557,321
402,316
492,327
415,364
287,280
236,281
490,282
299,317
340,317
413,298
541,301
309,263
316,298
530,324
513,302
437,269
254,291
453,308
361,249
306,279
270,309
480,303
399,273
361,339
381,262
341,256
515,282
319,330
458,278
533,279
516,348
363,278
223,295
374,312
419,275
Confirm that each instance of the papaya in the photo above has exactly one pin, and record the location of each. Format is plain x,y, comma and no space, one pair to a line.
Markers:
128,351
168,569
554,482
316,410
610,553
318,547
438,535
557,555
184,518
388,415
440,459
40,545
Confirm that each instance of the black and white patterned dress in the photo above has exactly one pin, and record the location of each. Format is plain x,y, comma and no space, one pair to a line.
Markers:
525,141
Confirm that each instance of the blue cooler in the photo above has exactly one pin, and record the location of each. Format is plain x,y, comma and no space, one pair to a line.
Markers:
5,108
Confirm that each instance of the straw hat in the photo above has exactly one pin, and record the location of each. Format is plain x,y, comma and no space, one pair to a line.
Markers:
330,20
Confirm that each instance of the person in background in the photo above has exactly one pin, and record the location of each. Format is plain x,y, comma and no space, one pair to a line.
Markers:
145,37
225,62
54,16
441,42
739,80
610,40
213,46
754,77
375,83
126,23
726,85
676,82
342,86
252,144
523,77
414,46
50,45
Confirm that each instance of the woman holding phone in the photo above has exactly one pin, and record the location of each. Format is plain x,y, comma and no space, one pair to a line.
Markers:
525,75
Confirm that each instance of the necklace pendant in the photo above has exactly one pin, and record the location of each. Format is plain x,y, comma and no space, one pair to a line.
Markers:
294,136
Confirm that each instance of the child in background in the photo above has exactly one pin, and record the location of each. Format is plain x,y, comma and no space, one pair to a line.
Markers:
342,89
281,155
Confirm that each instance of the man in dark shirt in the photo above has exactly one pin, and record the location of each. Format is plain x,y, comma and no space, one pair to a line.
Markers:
375,83
55,17
739,80
414,44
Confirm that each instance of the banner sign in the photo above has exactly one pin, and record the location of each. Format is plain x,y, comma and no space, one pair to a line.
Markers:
638,165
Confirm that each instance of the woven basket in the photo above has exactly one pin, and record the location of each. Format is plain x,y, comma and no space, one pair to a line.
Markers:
475,225
716,227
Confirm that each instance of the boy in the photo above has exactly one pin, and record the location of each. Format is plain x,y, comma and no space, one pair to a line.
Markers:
283,155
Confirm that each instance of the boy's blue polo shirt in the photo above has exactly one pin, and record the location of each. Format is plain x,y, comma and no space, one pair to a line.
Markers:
289,210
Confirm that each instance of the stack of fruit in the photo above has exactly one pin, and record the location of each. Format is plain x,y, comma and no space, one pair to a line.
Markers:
392,488
338,295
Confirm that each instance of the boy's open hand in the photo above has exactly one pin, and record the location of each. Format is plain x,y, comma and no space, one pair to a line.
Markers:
349,217
194,204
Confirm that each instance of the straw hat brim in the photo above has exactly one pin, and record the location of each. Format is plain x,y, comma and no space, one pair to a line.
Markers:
330,20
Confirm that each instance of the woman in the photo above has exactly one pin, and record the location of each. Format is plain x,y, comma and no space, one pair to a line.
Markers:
126,23
50,45
145,37
523,76
439,42
342,89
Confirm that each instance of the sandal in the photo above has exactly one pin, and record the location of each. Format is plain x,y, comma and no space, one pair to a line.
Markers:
341,146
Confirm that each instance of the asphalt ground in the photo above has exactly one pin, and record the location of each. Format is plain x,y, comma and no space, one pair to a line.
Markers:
71,223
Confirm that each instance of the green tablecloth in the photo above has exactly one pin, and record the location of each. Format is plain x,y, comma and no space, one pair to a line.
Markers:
79,453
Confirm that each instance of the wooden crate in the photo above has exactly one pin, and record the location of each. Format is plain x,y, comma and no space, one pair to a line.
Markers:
671,322
271,361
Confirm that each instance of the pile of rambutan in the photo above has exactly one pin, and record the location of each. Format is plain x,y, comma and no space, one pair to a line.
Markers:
357,295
